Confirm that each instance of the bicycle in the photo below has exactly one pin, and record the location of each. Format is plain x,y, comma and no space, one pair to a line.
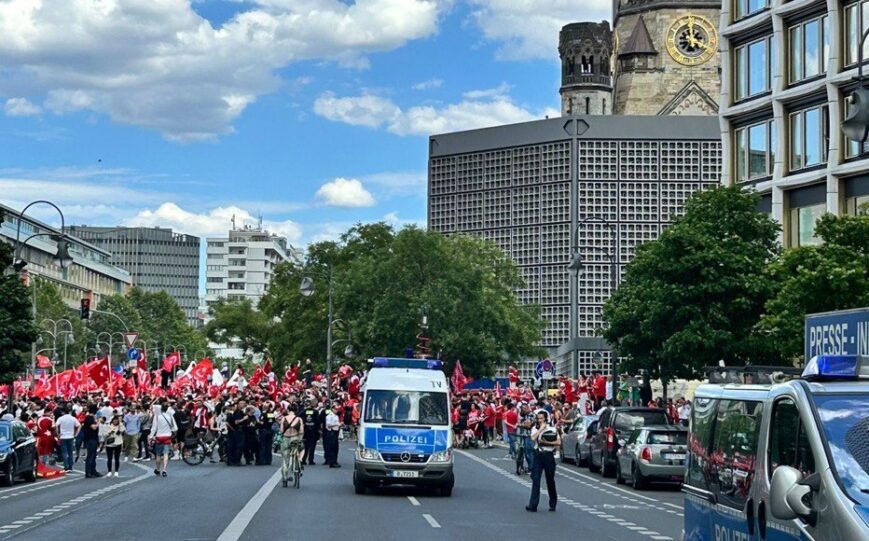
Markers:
520,455
295,465
195,452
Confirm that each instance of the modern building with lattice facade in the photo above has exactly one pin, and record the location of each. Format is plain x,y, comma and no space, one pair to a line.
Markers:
527,187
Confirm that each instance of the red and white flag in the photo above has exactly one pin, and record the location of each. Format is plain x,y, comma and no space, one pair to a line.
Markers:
202,370
99,371
458,379
171,361
43,362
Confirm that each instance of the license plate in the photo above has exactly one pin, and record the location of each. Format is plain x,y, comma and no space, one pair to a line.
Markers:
671,456
405,474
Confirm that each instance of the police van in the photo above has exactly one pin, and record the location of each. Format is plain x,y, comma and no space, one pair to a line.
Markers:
405,433
778,457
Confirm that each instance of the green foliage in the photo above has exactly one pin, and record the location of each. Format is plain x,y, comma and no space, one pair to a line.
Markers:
17,330
382,279
239,321
692,297
812,279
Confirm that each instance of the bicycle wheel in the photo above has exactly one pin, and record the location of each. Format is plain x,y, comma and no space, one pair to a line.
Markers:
193,455
297,472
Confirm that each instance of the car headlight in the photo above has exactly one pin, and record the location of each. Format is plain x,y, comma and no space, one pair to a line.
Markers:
442,456
368,454
3,456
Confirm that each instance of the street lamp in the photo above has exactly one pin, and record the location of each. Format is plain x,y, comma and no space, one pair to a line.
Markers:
577,267
856,125
307,289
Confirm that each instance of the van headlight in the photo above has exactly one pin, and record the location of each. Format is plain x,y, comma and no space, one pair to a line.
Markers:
3,456
368,454
442,456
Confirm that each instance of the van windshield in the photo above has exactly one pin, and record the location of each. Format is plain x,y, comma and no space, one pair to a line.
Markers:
406,407
845,418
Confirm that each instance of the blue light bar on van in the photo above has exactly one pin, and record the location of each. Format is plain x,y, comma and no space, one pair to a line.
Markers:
423,364
836,367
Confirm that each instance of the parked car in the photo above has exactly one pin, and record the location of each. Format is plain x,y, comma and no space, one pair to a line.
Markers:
617,424
17,453
574,441
654,453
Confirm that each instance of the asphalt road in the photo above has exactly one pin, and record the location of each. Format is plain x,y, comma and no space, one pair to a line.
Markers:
213,502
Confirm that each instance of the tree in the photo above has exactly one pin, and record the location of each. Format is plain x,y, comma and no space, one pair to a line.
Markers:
238,321
51,306
811,279
17,330
693,297
164,321
382,280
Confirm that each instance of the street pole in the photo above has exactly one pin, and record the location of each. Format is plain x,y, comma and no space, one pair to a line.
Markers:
329,343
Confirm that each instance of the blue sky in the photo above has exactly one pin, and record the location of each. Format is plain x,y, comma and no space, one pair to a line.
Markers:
313,113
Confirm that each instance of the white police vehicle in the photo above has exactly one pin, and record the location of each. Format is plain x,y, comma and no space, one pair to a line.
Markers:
785,460
405,433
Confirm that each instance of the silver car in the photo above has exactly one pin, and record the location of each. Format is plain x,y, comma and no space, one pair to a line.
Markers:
575,441
654,453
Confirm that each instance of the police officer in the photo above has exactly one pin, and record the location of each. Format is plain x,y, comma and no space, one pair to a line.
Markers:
311,417
546,441
330,437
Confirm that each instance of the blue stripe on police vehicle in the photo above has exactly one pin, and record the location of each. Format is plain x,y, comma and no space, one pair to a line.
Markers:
406,440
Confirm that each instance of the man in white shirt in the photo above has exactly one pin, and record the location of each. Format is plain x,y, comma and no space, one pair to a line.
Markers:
67,428
609,389
330,438
107,411
685,413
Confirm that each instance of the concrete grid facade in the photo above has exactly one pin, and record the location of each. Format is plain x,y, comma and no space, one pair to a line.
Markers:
156,258
527,186
787,69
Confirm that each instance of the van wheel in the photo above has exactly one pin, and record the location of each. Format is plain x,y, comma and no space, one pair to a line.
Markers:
605,469
358,486
446,490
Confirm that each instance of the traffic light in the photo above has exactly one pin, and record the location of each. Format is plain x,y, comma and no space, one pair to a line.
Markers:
86,308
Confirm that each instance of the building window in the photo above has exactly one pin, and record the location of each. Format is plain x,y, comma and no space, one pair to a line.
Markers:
809,48
753,65
856,22
755,151
744,8
802,224
857,206
808,137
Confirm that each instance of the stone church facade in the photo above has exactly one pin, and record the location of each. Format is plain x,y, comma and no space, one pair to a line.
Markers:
663,60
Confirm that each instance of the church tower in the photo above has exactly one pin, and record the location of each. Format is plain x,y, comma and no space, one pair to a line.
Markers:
666,58
586,77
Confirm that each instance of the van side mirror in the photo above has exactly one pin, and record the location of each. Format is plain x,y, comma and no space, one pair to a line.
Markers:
786,494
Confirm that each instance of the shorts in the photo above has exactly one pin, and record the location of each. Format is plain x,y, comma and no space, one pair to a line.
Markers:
161,449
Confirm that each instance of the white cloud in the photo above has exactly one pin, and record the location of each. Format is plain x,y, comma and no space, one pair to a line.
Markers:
376,112
345,193
528,29
502,89
21,107
157,64
428,85
214,223
399,183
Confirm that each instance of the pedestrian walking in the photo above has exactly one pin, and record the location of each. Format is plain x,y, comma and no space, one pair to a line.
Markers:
266,435
115,434
310,417
162,430
132,427
330,438
546,441
147,419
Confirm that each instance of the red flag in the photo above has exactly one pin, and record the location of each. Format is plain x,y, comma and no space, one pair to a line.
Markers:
171,361
203,370
267,368
143,361
258,374
43,362
458,379
498,389
99,371
144,379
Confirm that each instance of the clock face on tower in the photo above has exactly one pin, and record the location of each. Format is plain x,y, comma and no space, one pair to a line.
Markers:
692,40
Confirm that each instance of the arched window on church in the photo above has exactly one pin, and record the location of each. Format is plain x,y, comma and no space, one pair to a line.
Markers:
587,63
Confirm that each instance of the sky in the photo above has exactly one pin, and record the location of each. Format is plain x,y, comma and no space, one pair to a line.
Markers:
313,114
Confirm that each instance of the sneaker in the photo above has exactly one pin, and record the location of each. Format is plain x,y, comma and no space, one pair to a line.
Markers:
156,472
137,459
116,474
164,474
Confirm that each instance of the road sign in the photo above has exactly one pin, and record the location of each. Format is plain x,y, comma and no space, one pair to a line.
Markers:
544,369
133,354
130,338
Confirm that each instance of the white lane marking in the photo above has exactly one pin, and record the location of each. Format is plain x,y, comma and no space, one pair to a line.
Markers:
576,505
616,487
239,524
428,518
39,486
413,501
602,487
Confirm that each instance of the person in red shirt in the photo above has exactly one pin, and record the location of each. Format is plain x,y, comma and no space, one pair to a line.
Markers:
511,421
489,419
599,389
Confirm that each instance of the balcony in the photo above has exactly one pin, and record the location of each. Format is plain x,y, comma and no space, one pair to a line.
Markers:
587,79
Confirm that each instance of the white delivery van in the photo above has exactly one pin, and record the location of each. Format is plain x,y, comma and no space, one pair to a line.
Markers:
405,433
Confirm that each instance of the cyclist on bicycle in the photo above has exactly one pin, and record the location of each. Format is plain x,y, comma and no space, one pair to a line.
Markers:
292,432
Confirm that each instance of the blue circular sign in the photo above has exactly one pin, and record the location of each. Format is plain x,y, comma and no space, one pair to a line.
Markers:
133,354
